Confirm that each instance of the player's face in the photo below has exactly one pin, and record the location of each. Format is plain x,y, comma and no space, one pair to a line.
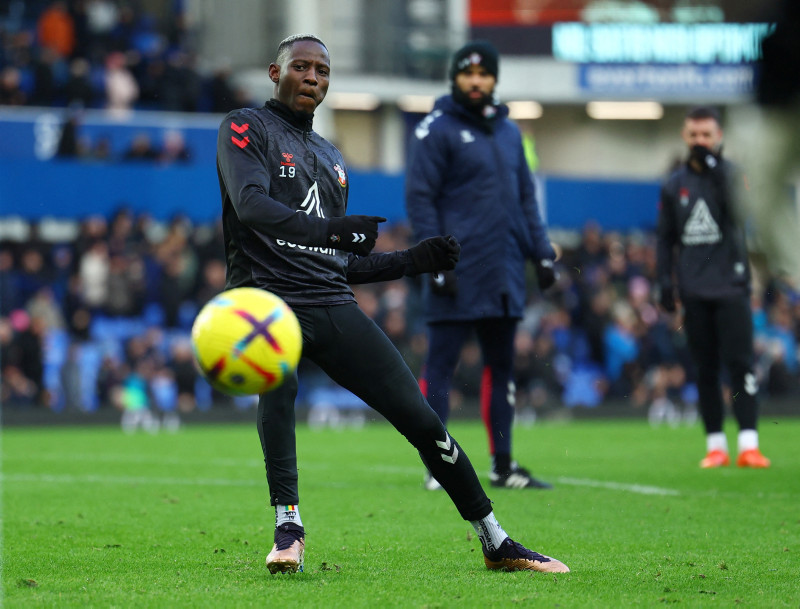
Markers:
303,79
476,83
704,132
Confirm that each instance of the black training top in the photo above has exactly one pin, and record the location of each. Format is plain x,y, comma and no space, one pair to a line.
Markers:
698,219
280,182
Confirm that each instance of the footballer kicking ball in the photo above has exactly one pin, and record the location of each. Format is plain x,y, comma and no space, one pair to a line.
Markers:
246,341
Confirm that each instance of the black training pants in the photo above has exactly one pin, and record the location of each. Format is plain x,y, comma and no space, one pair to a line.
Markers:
350,348
721,332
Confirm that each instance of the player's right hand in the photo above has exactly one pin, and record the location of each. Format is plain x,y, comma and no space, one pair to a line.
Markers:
444,283
546,274
355,234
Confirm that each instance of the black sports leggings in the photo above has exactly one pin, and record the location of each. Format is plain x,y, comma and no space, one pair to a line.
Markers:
721,332
350,348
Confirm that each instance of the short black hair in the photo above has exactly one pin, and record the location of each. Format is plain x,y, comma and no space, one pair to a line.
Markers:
285,47
703,112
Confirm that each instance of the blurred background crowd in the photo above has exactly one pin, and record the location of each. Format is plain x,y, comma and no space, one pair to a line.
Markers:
100,318
96,308
107,54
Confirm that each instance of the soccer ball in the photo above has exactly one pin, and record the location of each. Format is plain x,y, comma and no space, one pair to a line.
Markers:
246,341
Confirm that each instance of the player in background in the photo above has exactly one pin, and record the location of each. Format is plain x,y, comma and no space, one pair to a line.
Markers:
284,198
701,246
467,176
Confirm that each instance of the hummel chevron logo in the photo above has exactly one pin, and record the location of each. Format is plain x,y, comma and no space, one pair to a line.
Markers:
359,237
450,450
241,143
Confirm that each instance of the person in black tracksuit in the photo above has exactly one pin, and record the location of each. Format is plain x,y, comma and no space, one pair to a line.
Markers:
467,176
284,197
701,242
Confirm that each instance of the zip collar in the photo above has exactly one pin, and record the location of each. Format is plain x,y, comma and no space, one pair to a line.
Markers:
298,120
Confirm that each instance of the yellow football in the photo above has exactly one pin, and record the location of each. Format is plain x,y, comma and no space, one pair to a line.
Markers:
246,341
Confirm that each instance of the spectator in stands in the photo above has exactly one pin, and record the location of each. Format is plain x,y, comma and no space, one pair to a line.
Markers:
45,85
141,149
536,377
621,350
94,270
212,282
55,29
174,149
224,97
125,286
121,87
34,275
185,371
9,277
77,313
25,357
70,143
11,93
101,19
121,237
78,90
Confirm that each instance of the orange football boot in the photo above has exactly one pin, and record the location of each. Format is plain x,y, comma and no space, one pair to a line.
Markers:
752,458
715,458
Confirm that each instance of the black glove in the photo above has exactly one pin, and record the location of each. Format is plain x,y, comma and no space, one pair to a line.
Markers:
435,254
545,274
666,298
355,234
444,283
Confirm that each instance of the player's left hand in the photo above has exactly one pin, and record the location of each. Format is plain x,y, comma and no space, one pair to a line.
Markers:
435,254
545,274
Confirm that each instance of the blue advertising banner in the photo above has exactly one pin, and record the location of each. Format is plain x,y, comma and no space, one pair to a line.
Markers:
661,80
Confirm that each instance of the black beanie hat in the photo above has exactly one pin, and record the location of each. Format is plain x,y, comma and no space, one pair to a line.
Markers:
479,52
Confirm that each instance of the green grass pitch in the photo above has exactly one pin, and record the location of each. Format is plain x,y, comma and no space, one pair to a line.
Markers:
96,518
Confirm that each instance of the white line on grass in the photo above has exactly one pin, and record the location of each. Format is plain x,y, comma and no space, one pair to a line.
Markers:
143,480
620,486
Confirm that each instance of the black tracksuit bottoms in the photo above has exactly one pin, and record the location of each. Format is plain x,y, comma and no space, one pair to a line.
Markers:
720,331
354,352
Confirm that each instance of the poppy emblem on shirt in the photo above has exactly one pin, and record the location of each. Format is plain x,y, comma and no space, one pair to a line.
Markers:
683,194
342,175
240,129
287,159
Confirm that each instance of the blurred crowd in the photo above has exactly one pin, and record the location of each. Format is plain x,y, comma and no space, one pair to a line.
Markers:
107,54
97,316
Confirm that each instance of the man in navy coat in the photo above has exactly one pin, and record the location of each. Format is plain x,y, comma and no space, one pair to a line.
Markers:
467,176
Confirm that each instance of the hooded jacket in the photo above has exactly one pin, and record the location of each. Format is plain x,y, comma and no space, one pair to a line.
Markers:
468,176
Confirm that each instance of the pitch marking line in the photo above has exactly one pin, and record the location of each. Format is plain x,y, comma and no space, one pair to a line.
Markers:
145,480
619,486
